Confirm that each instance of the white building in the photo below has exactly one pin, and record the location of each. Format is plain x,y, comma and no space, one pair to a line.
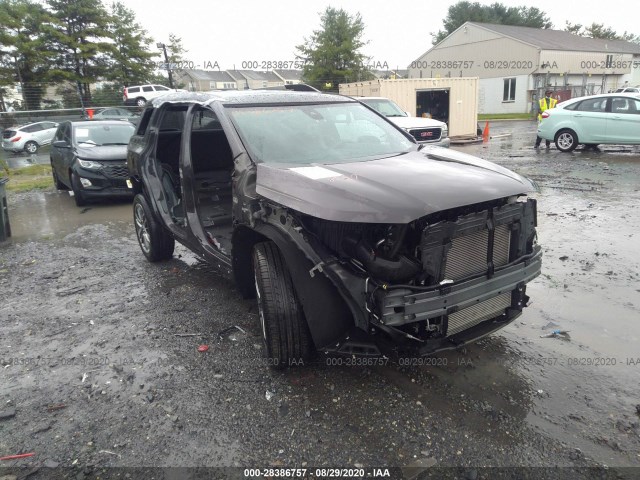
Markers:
516,64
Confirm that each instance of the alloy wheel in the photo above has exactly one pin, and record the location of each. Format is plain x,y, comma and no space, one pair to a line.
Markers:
142,229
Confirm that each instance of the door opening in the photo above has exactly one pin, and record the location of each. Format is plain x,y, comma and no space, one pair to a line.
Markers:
212,163
433,104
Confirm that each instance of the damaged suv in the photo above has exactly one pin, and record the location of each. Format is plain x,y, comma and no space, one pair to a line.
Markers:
354,239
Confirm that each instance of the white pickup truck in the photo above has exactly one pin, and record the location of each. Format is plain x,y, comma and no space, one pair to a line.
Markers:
424,130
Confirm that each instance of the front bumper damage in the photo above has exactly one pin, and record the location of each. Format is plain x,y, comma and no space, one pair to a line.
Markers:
448,311
400,306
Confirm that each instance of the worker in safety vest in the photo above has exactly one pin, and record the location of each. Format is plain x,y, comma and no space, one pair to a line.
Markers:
544,104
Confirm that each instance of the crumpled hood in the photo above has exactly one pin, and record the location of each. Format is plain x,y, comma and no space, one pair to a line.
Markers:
398,189
416,122
108,152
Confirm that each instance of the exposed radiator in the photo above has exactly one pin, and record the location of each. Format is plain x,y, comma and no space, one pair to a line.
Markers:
468,253
475,314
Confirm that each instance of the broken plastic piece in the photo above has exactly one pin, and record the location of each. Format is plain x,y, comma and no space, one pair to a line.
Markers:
557,333
203,348
317,267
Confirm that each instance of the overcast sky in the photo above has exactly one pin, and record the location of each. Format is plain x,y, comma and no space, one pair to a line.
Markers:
398,31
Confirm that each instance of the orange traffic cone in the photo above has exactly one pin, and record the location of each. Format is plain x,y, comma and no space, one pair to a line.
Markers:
485,132
90,112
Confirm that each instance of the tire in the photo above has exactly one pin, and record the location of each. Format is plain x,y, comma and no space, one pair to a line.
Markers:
56,181
155,242
284,327
76,186
566,140
31,147
140,102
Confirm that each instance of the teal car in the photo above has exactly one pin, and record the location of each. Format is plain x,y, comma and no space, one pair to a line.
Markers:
612,118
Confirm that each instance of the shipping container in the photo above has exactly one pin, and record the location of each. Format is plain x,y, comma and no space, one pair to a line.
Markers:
452,100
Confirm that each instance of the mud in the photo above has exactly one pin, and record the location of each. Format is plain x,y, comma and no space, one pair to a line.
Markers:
99,359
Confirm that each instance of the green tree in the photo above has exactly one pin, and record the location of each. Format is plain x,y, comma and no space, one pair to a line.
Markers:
575,28
131,62
332,53
81,39
174,57
175,49
24,51
496,13
598,30
107,95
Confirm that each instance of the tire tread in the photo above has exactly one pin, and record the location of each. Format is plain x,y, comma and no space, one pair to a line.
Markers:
288,337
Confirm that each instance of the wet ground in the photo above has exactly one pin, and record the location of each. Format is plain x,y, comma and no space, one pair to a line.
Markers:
99,366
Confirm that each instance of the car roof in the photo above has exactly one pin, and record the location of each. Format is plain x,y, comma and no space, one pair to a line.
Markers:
606,95
249,97
371,98
33,123
76,123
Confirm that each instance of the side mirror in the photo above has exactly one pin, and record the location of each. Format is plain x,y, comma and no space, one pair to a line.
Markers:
60,144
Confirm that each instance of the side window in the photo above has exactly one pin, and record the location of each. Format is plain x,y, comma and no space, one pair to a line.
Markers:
144,121
173,119
205,120
625,105
133,90
161,88
32,128
592,105
148,88
59,133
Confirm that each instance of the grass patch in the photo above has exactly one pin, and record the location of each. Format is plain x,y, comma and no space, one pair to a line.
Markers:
505,116
33,177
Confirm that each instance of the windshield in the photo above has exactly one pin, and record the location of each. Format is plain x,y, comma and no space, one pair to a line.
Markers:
325,133
98,135
384,107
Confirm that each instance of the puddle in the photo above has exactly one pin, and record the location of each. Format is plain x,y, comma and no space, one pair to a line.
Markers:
54,215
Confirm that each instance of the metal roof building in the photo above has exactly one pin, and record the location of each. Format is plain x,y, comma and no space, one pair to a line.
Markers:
516,64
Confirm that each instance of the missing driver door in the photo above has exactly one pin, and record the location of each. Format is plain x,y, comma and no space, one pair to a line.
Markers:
207,165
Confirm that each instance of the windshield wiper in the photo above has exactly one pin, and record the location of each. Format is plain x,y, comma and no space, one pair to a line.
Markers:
115,143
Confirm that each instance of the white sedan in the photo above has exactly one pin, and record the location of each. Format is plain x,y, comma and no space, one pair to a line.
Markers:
612,118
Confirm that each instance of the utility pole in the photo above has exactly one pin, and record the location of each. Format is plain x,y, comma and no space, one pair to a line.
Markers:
166,61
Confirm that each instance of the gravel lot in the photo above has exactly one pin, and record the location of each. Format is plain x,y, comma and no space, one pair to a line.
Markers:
100,371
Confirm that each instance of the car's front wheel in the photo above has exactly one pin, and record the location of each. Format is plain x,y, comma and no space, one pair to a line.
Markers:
31,147
566,140
155,242
284,327
76,186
